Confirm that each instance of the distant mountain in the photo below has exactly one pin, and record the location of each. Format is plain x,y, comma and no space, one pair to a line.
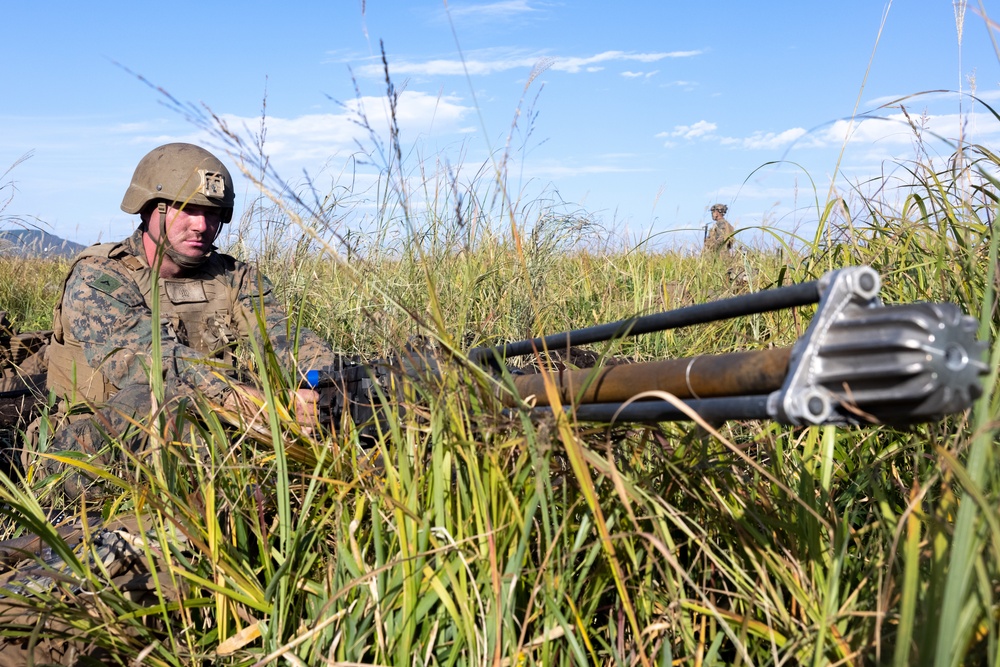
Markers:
36,243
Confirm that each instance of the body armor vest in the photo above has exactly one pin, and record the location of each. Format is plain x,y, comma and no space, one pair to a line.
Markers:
196,312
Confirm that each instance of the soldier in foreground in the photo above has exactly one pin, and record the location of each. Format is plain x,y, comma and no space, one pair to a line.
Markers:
102,350
719,236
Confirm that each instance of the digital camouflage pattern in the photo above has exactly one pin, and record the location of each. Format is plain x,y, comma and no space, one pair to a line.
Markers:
106,311
113,558
104,326
99,358
121,418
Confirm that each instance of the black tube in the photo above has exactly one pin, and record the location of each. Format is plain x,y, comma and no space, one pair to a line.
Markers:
15,393
701,313
710,409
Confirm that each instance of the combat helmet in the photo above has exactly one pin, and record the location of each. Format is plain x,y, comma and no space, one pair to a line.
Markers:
180,174
721,208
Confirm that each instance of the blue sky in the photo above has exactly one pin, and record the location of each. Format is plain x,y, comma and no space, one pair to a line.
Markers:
643,113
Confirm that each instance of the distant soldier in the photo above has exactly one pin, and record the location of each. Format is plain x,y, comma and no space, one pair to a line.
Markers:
719,237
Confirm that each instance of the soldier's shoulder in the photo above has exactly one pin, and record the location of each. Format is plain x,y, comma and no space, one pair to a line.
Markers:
86,267
102,280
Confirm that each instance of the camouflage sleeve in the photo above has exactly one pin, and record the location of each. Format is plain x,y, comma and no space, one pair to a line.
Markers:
297,347
105,311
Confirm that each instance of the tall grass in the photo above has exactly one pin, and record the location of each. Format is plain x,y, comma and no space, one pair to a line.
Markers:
469,536
483,540
29,288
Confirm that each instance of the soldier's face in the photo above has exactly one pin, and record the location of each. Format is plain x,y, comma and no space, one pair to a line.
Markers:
190,231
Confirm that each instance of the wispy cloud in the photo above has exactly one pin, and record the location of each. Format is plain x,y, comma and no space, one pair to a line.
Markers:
700,130
893,130
911,100
556,170
304,140
765,140
516,60
640,75
900,130
491,10
576,64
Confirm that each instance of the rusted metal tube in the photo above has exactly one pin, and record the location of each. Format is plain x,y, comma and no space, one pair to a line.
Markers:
707,376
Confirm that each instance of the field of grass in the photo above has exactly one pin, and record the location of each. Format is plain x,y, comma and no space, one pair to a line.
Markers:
466,536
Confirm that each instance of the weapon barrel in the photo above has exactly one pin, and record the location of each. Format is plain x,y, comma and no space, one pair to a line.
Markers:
16,393
707,376
702,313
711,409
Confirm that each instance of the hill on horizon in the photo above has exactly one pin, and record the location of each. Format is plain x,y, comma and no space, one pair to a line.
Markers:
36,243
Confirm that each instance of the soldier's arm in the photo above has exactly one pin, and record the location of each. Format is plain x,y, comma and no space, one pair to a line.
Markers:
105,311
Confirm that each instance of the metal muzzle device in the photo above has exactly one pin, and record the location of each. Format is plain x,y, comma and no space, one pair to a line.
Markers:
858,362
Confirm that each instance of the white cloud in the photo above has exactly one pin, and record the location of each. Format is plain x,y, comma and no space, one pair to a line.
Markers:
702,129
639,75
452,67
896,129
766,140
912,100
988,95
485,65
555,170
574,65
886,135
310,140
491,10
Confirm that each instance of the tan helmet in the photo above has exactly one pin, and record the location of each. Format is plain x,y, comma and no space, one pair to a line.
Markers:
180,174
721,208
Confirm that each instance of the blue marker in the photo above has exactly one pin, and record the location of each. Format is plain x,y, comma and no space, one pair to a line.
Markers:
312,379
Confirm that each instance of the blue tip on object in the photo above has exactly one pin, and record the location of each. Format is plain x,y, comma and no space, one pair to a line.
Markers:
312,379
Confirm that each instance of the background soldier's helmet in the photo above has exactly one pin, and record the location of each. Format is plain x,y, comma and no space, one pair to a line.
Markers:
180,174
721,208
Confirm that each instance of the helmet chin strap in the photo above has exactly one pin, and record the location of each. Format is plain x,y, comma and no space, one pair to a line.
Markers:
183,261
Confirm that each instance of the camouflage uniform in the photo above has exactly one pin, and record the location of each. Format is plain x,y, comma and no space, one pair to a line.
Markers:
105,320
101,350
100,355
719,238
99,359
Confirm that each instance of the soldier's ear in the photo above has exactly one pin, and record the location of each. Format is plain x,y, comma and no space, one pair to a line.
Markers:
145,214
